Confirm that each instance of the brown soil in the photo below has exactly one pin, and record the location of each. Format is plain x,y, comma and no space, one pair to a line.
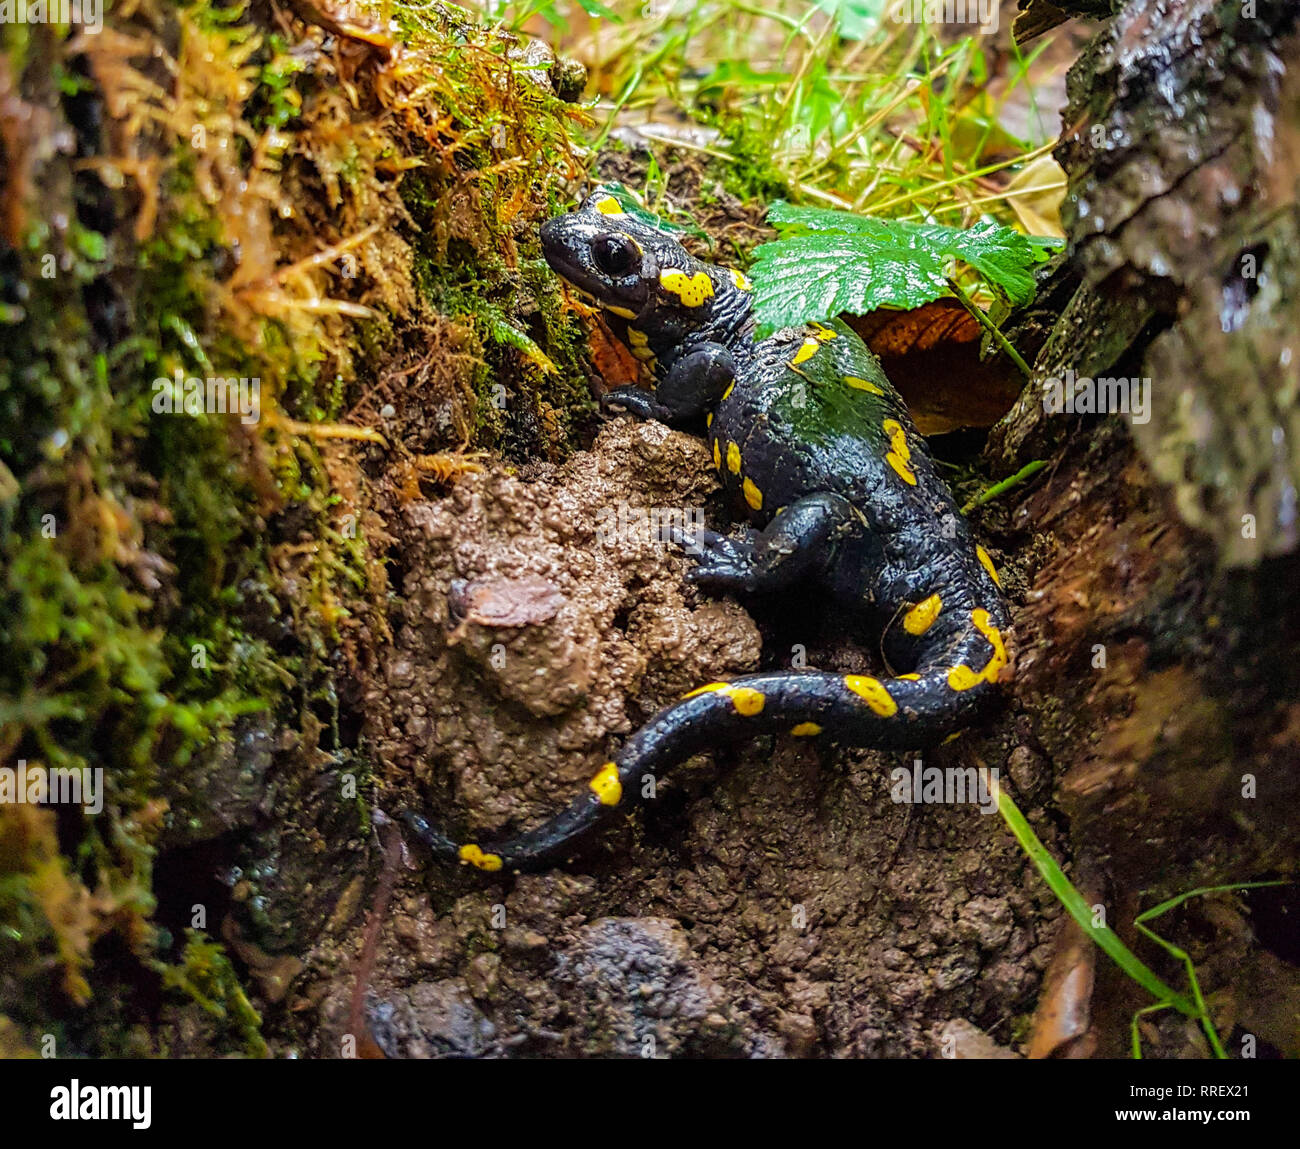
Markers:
770,900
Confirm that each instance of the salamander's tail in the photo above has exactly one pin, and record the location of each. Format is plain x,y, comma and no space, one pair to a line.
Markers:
908,712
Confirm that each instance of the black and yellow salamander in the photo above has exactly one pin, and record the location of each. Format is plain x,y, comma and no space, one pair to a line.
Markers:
816,445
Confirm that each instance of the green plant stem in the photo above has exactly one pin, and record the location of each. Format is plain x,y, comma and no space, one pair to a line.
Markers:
623,97
989,326
1073,901
987,496
1154,912
1135,1038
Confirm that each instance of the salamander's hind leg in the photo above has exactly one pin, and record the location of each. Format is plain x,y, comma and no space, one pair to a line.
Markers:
801,542
726,556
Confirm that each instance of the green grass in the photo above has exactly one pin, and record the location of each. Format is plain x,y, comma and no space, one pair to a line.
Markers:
1028,471
1193,982
848,110
1190,1004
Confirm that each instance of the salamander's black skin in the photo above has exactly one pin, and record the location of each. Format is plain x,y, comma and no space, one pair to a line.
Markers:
840,492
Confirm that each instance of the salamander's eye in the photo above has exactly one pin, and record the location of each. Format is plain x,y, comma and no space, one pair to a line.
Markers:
614,254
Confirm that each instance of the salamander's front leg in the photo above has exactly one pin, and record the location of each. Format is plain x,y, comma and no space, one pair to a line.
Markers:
693,384
637,402
799,543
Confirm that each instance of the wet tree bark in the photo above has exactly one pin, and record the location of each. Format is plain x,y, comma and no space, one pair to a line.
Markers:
1157,661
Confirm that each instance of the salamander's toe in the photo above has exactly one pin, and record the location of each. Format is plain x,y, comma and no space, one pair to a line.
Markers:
724,562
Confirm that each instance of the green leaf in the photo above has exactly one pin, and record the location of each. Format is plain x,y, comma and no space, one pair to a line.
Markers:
1067,893
817,277
90,244
828,262
511,336
822,112
592,8
857,19
741,74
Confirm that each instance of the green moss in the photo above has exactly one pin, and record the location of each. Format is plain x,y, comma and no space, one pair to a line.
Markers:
204,975
139,547
753,178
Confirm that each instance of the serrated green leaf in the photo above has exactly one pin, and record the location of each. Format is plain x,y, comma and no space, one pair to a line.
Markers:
790,218
828,262
817,277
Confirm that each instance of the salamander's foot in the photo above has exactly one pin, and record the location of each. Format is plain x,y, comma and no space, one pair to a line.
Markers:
722,562
634,401
800,543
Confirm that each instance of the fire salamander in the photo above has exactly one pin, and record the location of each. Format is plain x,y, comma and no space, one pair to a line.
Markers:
818,448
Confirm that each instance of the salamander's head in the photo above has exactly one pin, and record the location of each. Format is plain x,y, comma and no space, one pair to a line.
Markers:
644,276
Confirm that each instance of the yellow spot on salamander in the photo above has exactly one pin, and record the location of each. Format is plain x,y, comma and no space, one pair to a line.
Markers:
745,699
984,624
692,290
921,617
473,856
863,385
707,688
806,351
987,564
806,730
900,454
639,344
606,785
900,465
708,419
609,206
621,312
873,693
753,496
740,279
823,333
733,458
962,677
910,677
717,456
730,388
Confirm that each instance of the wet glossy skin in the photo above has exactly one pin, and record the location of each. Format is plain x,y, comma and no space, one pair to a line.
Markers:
842,498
